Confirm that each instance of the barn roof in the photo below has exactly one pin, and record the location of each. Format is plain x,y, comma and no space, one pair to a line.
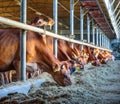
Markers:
95,8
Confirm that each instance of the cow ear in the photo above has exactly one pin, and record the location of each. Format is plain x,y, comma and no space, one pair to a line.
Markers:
55,67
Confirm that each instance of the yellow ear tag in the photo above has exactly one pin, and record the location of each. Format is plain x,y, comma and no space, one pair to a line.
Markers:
83,52
91,62
55,70
77,67
73,56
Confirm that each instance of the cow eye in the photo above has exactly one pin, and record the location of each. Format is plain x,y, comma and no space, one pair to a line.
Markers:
39,22
62,66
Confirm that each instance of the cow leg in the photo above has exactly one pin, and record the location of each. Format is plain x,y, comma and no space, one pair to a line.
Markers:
6,77
10,76
16,64
2,81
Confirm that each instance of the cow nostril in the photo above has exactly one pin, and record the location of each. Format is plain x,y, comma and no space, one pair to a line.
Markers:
67,81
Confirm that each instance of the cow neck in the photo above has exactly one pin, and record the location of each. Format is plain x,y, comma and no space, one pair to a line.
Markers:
45,57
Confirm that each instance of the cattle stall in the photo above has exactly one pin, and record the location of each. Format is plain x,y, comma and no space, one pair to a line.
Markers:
87,25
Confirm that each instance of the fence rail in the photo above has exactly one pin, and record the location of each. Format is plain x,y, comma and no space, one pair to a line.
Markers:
39,30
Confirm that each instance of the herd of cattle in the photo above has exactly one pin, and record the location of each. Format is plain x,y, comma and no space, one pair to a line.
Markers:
39,55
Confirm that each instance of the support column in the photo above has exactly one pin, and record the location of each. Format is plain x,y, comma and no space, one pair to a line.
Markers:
100,39
109,44
97,36
72,20
23,41
103,40
72,17
93,32
88,29
106,42
81,23
55,15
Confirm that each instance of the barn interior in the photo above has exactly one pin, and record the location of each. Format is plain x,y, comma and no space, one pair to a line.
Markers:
92,85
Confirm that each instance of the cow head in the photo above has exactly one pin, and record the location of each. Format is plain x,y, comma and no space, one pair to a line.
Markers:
96,62
61,74
83,59
39,21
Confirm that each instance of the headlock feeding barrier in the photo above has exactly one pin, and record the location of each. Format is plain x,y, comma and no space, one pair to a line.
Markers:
23,26
40,30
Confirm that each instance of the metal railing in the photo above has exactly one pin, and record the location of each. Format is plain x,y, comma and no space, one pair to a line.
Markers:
39,30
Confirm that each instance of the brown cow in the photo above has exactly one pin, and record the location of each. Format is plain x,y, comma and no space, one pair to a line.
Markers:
66,52
37,52
104,56
93,56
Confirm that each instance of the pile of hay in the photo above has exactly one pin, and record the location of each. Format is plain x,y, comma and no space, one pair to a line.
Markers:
93,85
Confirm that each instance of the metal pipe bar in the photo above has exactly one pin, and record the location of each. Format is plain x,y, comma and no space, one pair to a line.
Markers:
88,29
105,42
23,41
85,13
108,43
81,23
116,7
71,17
97,36
55,15
118,20
76,2
39,30
110,11
112,2
67,10
117,14
100,40
93,32
118,23
119,26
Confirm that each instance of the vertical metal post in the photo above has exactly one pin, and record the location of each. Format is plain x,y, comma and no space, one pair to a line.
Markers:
97,36
88,29
23,41
55,15
81,23
100,39
107,43
72,17
93,32
104,40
